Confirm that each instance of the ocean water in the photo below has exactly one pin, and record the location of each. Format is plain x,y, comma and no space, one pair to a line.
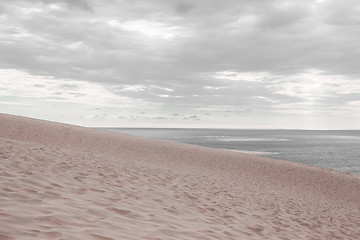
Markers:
336,149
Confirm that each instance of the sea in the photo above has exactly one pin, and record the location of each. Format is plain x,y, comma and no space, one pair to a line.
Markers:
335,149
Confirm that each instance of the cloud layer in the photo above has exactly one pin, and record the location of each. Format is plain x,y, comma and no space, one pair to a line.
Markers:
252,58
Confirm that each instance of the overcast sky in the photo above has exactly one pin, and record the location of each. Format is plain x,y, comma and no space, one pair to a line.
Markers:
182,63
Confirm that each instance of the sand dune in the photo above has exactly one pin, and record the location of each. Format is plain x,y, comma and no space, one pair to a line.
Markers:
60,181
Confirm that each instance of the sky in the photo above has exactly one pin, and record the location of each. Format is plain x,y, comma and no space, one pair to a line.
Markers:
182,63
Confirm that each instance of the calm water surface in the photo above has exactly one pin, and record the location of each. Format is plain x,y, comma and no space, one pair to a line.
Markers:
339,149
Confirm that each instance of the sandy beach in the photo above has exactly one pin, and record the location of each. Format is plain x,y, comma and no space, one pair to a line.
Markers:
60,181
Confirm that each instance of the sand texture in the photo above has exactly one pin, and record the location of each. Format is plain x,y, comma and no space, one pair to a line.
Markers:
60,181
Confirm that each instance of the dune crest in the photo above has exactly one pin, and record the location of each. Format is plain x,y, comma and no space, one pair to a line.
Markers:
60,181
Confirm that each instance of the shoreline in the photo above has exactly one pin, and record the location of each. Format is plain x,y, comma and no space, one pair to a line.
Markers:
334,150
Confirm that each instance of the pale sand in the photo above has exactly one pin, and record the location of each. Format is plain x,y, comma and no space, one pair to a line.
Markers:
60,181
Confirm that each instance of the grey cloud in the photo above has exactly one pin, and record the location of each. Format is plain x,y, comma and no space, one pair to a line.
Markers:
279,37
182,7
80,4
83,4
159,118
345,12
283,16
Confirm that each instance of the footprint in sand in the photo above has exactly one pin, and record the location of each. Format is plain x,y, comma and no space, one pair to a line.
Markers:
6,237
51,235
99,237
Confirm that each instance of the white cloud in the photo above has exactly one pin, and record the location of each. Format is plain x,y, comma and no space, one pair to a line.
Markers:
355,103
242,76
147,28
164,89
314,84
15,83
213,87
132,88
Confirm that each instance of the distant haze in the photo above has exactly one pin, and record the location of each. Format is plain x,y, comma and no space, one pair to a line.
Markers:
182,63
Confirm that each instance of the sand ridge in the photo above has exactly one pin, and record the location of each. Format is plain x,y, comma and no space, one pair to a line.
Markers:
60,181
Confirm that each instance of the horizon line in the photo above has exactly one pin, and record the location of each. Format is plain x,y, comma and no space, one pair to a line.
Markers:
209,128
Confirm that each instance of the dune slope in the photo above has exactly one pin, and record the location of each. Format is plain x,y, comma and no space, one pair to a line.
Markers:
59,181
